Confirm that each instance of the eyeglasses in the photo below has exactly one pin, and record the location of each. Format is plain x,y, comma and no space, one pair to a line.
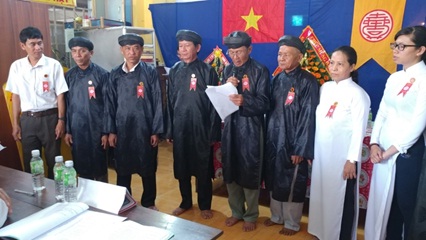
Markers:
400,46
238,53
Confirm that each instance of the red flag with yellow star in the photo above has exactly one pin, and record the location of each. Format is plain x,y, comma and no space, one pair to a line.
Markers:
262,20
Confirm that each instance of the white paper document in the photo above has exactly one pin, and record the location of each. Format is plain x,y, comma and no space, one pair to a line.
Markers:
43,221
219,97
131,230
104,196
66,221
87,225
3,212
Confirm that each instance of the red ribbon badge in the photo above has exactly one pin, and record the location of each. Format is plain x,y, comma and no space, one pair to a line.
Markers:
407,87
45,83
246,84
45,86
290,97
331,110
140,90
193,83
92,93
91,90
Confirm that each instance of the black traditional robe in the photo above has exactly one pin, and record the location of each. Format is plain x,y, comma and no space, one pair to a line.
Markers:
134,117
192,121
290,131
85,115
243,135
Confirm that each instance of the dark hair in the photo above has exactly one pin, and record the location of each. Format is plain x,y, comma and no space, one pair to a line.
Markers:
417,35
352,58
30,33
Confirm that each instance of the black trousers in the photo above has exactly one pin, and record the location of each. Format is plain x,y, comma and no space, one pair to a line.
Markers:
149,188
407,176
38,133
348,210
204,190
418,225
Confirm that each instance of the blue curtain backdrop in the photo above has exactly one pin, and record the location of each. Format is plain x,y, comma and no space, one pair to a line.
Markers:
330,19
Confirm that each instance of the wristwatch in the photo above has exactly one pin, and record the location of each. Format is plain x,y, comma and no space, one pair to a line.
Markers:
61,118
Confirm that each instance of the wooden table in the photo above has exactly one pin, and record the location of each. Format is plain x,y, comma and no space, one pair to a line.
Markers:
24,205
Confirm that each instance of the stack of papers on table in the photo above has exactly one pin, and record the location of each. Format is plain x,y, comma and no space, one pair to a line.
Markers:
74,221
104,196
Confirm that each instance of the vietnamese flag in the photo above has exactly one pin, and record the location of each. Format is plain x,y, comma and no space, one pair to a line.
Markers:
262,20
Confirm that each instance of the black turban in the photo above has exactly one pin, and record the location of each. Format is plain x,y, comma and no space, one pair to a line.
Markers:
292,41
130,39
188,35
237,39
80,42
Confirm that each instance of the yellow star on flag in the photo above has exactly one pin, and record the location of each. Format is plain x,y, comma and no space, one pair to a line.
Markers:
252,20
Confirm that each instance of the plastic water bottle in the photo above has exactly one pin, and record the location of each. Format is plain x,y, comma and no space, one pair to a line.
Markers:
70,182
37,170
58,173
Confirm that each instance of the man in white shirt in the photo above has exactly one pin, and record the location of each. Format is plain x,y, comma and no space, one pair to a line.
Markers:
38,104
5,206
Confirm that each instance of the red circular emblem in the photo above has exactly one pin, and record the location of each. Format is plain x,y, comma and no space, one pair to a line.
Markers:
376,25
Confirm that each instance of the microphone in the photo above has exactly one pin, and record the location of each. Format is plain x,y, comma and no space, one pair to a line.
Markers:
234,72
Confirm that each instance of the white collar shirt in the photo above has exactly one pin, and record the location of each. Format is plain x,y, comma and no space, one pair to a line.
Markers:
37,86
124,68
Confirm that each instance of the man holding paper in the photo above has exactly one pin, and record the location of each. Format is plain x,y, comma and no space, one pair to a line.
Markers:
243,133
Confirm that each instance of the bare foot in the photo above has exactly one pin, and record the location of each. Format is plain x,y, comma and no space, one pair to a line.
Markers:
287,232
249,226
206,214
268,222
153,208
231,221
178,211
